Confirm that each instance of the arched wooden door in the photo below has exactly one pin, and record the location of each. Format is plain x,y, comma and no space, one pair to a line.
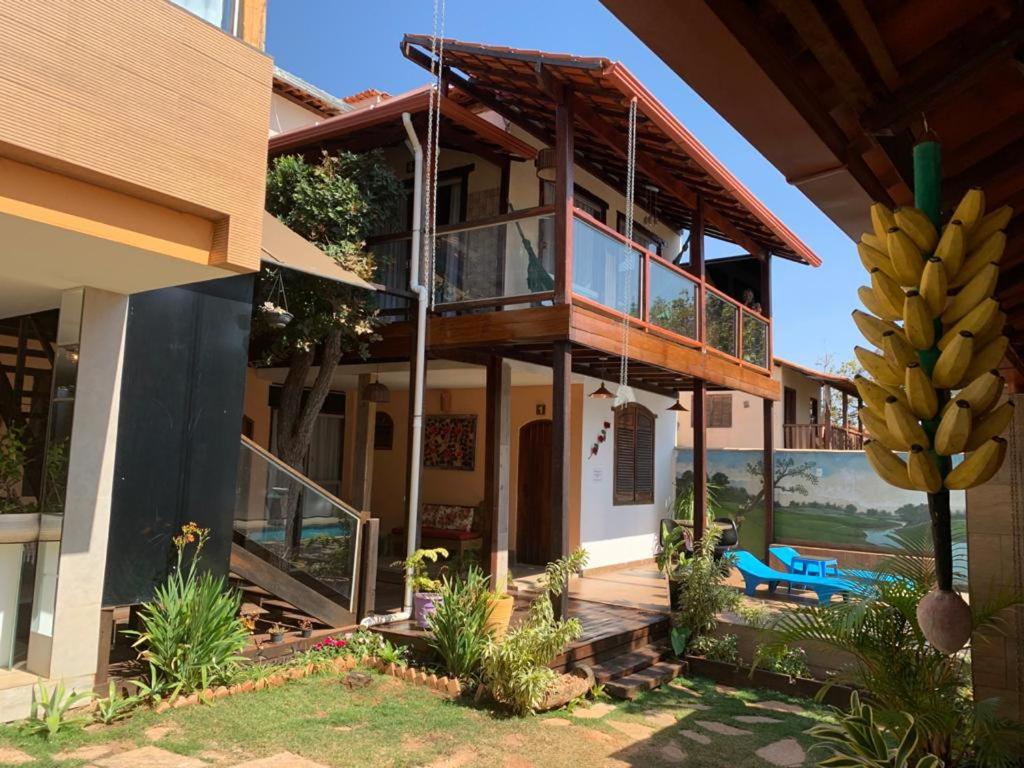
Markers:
533,505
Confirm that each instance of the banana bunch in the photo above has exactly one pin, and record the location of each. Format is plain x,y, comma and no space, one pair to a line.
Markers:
932,388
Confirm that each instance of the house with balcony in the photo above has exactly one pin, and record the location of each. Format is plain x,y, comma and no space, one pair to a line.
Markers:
540,307
818,413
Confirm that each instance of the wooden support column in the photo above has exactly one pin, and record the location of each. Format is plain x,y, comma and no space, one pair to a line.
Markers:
768,462
563,196
561,450
362,450
826,412
496,479
700,457
367,603
766,303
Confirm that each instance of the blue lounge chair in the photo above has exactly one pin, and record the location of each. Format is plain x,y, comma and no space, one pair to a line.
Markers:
755,573
785,555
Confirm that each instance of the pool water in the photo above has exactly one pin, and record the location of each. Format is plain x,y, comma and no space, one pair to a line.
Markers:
308,532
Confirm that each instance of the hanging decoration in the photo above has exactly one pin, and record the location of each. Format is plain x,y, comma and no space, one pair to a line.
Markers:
602,393
433,148
275,308
932,390
625,394
602,436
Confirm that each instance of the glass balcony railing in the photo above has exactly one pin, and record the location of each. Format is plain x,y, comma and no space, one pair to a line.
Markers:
720,316
603,271
296,526
672,301
755,339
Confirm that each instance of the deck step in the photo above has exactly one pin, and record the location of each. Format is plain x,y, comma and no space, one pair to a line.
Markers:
630,662
630,686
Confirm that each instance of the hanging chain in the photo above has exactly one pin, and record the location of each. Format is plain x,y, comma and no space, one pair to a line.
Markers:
1017,529
628,253
433,147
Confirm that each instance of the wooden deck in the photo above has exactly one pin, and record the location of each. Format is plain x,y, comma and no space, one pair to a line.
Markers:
608,631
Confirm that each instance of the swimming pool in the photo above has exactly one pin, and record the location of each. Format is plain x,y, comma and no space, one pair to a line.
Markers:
308,532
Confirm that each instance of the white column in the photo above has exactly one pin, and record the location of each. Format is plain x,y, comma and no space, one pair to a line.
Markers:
10,581
83,549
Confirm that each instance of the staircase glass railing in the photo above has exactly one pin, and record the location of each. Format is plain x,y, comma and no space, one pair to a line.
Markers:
297,526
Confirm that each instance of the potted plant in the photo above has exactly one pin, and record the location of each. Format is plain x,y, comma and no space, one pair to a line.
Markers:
424,586
675,544
277,634
306,627
500,605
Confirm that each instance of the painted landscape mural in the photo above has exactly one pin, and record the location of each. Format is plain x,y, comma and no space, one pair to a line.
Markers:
830,498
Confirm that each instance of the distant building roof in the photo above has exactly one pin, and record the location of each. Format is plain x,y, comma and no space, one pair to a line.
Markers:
366,97
308,95
842,383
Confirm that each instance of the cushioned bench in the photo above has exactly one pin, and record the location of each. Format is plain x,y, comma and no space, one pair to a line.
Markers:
452,526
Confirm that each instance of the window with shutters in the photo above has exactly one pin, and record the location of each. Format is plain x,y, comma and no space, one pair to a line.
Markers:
634,455
720,411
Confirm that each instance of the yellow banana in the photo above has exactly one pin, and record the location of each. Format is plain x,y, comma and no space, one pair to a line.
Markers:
882,220
888,290
977,467
874,394
907,260
989,251
903,425
872,240
990,222
994,328
934,286
897,350
873,258
953,362
878,367
879,430
954,428
970,209
888,465
918,227
990,425
918,323
975,321
983,392
986,358
922,472
877,305
980,287
871,327
921,396
952,248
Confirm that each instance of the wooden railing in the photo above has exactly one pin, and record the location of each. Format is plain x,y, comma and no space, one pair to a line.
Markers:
822,437
499,261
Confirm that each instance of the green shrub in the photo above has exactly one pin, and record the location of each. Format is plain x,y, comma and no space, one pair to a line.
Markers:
516,668
115,706
416,568
192,634
50,710
786,660
700,583
458,624
724,648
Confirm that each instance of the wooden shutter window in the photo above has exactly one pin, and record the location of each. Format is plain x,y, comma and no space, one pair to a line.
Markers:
720,411
634,455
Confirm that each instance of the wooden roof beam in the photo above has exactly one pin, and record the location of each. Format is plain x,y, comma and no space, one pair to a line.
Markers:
862,23
611,138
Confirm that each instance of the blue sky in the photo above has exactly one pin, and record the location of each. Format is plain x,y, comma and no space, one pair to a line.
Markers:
344,46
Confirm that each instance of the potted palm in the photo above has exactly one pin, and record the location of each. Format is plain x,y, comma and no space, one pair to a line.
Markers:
424,587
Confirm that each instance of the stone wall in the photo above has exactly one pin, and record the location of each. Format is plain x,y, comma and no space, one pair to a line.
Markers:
995,545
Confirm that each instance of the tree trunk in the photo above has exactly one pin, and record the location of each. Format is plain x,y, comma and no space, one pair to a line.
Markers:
296,419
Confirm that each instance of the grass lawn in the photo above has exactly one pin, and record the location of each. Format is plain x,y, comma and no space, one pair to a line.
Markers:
392,723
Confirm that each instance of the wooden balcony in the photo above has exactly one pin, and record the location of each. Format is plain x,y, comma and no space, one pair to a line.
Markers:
822,437
494,283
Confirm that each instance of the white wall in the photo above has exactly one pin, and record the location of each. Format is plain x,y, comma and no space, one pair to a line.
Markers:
286,115
624,533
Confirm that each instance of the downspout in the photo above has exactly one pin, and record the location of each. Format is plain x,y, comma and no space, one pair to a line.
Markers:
421,353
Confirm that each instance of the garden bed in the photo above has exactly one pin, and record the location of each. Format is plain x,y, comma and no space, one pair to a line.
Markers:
740,676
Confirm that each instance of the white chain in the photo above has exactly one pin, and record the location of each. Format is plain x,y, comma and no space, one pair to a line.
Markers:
628,252
433,145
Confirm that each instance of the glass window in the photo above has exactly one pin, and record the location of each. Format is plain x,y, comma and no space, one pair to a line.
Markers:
220,13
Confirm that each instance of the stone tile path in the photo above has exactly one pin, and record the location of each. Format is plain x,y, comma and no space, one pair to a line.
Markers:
150,757
11,756
722,729
786,753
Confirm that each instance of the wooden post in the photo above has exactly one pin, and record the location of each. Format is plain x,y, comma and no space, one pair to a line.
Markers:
700,457
846,421
697,263
362,451
768,466
827,413
496,480
563,196
367,603
766,303
561,450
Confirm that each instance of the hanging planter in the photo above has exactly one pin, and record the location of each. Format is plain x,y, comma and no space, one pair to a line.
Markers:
276,317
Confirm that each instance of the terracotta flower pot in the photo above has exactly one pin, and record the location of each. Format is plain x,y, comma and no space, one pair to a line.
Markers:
501,607
423,605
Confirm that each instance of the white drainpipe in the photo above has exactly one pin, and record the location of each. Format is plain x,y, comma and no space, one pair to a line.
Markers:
421,352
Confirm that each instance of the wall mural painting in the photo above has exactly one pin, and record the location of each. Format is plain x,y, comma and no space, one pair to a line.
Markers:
449,442
830,498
